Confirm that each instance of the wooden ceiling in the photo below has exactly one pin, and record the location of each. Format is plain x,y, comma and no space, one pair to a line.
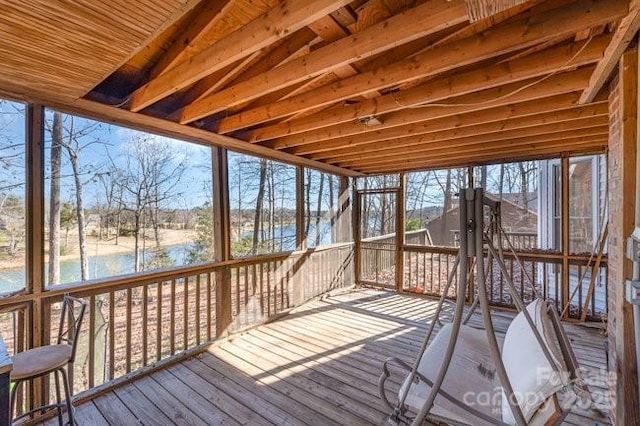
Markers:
364,86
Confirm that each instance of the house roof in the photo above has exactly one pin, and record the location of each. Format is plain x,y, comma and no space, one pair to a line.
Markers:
351,87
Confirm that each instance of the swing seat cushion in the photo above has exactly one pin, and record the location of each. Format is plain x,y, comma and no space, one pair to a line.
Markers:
470,379
532,377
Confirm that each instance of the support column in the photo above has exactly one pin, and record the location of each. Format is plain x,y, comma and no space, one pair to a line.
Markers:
623,151
355,226
564,218
35,233
301,241
221,238
400,207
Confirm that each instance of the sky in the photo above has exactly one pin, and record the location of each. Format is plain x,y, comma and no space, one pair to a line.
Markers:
105,144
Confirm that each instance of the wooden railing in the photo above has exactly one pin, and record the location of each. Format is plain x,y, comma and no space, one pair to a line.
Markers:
519,240
426,270
134,322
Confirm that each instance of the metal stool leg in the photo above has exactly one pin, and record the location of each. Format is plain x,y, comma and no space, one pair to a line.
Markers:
58,400
67,392
14,395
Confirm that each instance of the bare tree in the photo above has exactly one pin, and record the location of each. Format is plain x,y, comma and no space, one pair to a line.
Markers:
152,175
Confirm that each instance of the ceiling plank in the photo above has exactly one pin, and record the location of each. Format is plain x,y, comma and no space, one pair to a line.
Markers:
270,27
412,24
492,42
623,35
497,147
502,118
447,140
205,15
562,84
553,60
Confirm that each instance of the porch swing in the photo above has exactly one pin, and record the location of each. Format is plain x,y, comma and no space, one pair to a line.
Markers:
463,377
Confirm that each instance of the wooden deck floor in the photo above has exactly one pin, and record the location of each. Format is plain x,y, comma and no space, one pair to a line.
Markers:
317,366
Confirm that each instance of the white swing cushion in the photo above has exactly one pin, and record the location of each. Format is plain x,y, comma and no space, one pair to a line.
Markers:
471,377
531,375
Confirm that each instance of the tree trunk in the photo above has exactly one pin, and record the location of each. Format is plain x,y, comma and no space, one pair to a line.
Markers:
257,218
54,201
82,232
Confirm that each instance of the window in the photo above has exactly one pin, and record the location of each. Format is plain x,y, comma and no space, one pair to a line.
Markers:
121,201
262,198
12,196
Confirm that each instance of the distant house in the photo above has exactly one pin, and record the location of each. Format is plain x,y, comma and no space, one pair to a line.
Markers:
516,219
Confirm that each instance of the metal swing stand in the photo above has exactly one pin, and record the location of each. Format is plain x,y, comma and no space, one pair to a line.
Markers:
473,242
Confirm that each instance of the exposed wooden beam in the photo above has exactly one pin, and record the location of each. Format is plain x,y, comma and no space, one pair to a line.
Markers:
562,84
562,140
498,119
412,24
591,147
126,118
623,35
491,43
204,16
448,140
553,60
268,28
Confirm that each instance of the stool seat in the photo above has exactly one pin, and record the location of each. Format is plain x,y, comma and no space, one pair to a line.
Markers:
41,360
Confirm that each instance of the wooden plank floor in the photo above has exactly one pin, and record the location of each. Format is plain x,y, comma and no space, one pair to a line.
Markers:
317,366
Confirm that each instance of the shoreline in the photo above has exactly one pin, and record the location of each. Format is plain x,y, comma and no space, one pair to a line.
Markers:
97,247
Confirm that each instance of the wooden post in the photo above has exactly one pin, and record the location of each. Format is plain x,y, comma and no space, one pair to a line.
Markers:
355,226
35,233
622,217
221,238
564,220
301,240
400,207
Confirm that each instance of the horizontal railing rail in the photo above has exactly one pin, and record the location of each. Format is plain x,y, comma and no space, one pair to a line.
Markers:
136,321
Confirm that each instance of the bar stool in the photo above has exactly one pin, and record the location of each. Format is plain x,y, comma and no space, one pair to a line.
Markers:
51,359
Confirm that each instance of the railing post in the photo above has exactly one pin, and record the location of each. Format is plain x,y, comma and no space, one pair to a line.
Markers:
221,239
35,232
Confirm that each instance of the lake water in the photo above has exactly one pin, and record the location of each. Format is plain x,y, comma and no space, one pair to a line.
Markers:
123,263
99,267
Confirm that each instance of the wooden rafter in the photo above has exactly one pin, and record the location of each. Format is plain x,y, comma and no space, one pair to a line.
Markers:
528,114
469,147
274,25
407,26
553,60
490,98
491,43
393,148
538,152
623,35
204,16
